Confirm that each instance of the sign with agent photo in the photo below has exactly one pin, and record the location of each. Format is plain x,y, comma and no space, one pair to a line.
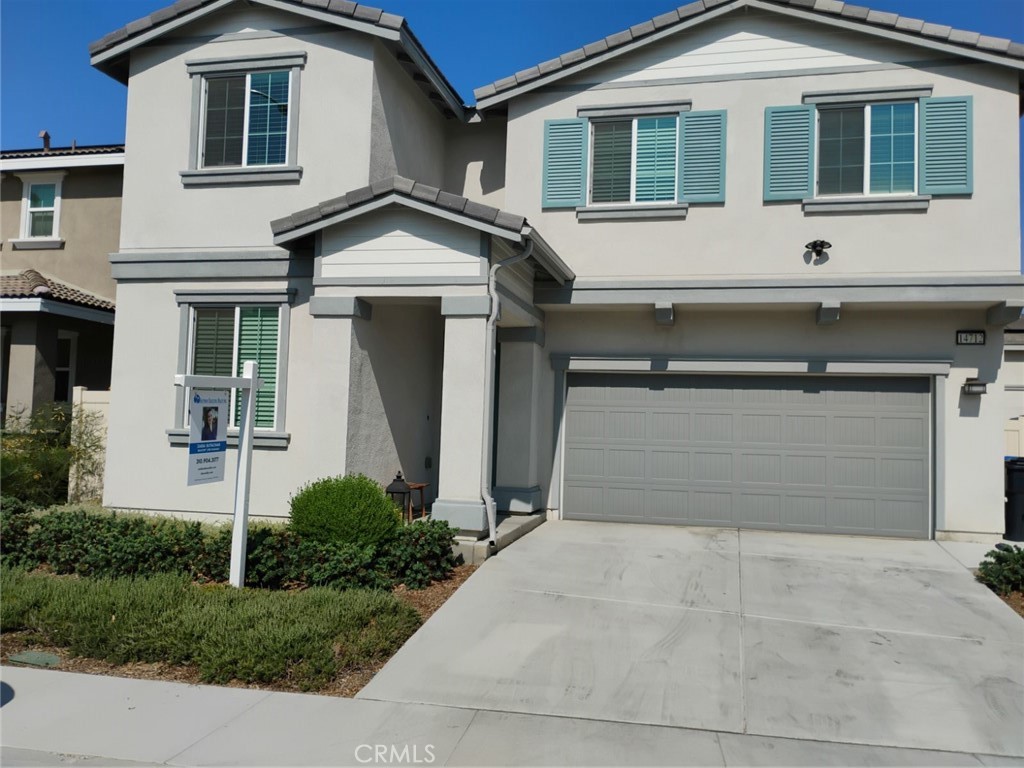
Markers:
207,441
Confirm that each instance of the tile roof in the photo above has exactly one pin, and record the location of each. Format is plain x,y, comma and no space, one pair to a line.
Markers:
854,13
356,11
97,149
32,285
407,188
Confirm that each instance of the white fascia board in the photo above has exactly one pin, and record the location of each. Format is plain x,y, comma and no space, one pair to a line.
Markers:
51,307
59,161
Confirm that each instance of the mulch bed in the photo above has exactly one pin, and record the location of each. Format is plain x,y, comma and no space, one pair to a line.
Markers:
347,683
1016,601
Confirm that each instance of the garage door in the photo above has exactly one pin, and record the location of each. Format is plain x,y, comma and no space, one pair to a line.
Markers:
821,454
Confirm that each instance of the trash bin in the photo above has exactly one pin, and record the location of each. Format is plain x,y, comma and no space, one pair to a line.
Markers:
1015,499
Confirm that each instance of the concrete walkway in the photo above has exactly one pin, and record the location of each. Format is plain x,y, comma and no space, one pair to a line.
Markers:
833,639
59,719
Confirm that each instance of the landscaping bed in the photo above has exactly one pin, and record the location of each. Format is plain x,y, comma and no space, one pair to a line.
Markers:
347,679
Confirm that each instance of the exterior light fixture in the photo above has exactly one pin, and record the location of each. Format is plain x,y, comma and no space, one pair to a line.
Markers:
817,247
400,493
975,387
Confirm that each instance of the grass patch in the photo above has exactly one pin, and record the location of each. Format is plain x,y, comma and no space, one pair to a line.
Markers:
301,639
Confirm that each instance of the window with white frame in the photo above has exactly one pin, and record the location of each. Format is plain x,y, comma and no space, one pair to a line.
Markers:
224,337
633,160
245,120
40,206
867,149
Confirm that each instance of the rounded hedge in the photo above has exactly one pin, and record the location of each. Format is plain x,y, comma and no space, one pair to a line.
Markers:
346,510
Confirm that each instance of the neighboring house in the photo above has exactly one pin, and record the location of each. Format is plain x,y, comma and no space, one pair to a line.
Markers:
1013,366
304,188
60,209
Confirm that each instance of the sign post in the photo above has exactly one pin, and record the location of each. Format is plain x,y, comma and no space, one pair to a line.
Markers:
208,417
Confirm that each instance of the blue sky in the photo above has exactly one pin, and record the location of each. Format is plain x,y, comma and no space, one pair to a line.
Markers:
47,81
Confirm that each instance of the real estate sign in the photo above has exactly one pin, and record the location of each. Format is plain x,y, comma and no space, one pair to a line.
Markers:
207,440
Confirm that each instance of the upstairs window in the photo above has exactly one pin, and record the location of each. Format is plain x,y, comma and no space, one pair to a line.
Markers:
42,205
246,120
867,149
634,161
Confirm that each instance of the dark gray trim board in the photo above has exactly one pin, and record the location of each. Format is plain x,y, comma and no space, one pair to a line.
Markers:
857,95
247,63
234,296
867,290
635,110
505,294
661,364
256,174
396,281
162,265
615,212
340,306
261,438
866,204
465,306
1004,313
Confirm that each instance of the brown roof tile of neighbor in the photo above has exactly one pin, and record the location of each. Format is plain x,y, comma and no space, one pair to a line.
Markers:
32,285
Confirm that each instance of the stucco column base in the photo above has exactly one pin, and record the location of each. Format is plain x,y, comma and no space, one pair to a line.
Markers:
518,501
470,517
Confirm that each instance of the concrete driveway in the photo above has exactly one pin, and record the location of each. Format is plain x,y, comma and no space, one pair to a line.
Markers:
834,639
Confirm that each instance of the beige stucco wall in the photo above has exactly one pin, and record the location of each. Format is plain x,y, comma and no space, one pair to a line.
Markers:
475,160
90,220
971,481
1013,365
748,237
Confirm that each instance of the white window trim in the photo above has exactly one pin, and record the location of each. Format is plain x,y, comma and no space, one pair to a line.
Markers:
672,203
281,328
866,183
25,239
71,336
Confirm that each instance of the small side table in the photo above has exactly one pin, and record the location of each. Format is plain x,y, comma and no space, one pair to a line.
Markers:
421,487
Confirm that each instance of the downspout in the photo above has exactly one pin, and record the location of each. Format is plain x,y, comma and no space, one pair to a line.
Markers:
490,349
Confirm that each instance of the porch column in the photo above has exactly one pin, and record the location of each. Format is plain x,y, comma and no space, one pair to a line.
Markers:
327,382
516,475
463,395
30,370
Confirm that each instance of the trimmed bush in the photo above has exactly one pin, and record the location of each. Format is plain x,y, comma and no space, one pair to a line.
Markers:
300,639
1002,570
344,510
420,553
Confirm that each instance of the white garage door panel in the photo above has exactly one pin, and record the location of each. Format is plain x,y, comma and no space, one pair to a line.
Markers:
842,455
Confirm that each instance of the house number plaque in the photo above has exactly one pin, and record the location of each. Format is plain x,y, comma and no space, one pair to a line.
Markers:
971,338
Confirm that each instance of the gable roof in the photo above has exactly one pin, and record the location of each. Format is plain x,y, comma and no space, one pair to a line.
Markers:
892,26
109,54
32,285
422,197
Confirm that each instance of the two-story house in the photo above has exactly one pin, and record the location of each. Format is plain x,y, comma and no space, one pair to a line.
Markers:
60,212
710,270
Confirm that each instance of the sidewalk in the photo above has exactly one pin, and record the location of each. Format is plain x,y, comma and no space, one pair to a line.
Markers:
58,718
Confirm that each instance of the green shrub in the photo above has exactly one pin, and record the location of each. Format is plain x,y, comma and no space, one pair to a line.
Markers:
16,520
301,639
347,510
419,553
36,455
277,557
1002,571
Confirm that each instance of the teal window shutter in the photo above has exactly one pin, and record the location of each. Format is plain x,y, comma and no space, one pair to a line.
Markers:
788,152
656,159
258,340
565,163
702,157
946,146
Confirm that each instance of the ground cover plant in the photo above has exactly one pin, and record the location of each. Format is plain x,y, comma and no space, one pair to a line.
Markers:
1002,571
298,638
